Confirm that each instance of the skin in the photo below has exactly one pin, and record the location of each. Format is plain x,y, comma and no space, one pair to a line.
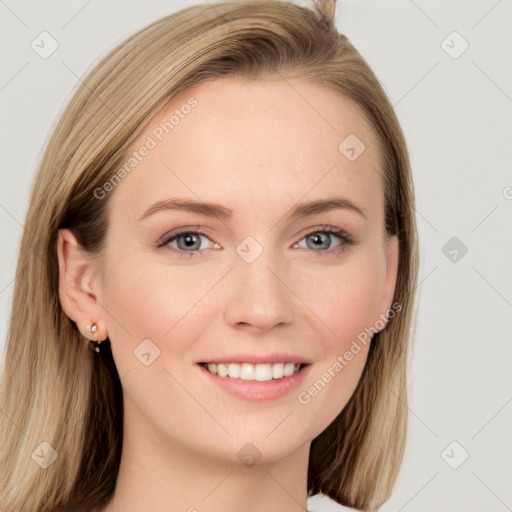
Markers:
257,148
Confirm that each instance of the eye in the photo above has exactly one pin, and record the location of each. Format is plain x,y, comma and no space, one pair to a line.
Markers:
321,239
187,241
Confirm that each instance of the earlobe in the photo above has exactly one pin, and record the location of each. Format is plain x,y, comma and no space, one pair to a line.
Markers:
76,283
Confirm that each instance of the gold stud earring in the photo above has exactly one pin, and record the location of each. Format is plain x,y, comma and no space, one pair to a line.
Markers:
94,344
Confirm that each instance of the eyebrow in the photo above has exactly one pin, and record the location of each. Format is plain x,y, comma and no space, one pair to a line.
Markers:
216,210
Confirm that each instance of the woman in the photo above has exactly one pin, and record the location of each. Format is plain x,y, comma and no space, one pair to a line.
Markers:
226,216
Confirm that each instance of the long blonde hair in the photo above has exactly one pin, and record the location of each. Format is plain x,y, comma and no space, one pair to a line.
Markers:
61,405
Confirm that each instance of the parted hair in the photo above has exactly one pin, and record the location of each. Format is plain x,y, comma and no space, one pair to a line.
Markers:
54,389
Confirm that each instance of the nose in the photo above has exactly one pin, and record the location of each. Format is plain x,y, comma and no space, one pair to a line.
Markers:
260,297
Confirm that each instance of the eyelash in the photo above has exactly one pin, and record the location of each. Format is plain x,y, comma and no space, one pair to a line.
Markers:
341,234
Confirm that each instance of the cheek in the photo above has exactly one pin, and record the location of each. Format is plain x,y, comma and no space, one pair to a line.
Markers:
344,297
154,302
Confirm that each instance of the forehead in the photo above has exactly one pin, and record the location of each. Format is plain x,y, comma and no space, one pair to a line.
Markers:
240,142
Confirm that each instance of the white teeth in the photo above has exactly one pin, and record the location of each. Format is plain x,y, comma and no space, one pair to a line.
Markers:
247,372
259,372
234,371
263,372
278,370
222,370
289,368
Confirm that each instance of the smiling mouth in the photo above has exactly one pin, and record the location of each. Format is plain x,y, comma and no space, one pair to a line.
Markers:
253,372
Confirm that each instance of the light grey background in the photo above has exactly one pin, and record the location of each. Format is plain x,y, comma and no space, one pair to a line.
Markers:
456,111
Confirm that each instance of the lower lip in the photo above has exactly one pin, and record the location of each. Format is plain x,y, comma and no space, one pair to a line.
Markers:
257,391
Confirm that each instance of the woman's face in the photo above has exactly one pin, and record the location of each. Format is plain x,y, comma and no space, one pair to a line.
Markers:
261,282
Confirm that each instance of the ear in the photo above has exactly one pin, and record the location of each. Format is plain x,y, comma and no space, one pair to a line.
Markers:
392,257
78,280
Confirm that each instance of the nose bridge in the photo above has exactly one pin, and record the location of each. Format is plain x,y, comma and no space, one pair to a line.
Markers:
259,296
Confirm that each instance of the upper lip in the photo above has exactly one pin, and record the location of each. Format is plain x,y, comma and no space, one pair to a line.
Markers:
258,359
